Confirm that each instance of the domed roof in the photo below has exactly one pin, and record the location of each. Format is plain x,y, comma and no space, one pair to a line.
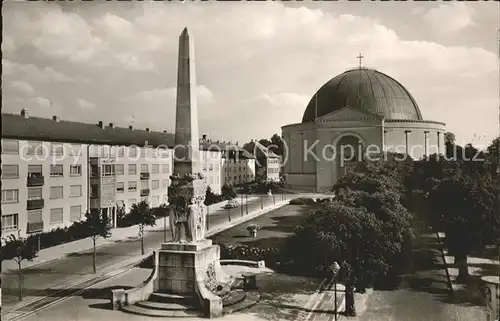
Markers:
381,95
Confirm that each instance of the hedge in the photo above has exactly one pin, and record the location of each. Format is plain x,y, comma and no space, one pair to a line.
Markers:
302,201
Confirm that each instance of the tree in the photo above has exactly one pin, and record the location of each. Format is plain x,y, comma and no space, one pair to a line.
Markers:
265,142
494,156
141,214
98,225
211,197
162,211
449,138
347,234
277,145
260,175
228,192
19,250
465,210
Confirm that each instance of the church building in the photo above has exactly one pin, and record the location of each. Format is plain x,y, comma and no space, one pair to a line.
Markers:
357,114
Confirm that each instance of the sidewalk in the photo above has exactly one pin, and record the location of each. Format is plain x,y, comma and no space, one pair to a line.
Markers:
117,234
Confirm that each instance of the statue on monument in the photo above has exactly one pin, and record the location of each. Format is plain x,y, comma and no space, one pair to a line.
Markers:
187,223
178,220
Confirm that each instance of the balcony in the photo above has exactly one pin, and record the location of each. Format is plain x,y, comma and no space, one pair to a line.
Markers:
145,192
145,176
35,204
34,227
35,181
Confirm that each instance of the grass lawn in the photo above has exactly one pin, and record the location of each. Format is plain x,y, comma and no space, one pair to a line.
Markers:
275,227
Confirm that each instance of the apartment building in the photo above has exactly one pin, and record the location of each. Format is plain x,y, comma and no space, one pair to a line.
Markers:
43,185
53,171
238,166
265,160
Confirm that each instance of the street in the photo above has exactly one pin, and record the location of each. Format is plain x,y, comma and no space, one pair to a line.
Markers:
48,278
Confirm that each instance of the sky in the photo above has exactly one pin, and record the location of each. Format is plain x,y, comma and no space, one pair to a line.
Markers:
257,63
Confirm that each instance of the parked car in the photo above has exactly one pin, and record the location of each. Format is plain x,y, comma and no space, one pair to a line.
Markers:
231,204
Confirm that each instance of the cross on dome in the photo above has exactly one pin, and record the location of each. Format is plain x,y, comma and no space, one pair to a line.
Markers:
360,57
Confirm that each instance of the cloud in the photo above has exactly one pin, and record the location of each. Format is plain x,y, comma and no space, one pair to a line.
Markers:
40,102
448,18
259,63
85,104
165,95
285,100
23,86
32,72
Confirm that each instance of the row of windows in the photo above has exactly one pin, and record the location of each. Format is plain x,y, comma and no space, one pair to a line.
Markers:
36,148
10,196
273,170
35,193
237,169
132,169
211,167
12,171
154,203
132,185
11,221
212,180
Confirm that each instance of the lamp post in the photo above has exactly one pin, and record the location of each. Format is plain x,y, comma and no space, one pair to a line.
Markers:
335,268
165,229
241,204
246,203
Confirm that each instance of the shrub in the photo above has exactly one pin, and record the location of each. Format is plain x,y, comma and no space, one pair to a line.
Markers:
211,197
302,201
270,255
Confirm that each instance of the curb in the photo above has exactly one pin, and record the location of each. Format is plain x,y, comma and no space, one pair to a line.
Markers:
443,258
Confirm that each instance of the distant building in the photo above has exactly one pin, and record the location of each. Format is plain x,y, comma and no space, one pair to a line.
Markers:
266,161
226,163
238,166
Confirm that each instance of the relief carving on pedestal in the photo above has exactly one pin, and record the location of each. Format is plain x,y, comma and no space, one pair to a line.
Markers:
213,285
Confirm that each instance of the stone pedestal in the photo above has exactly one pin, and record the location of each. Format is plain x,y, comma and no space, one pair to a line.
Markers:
182,269
178,264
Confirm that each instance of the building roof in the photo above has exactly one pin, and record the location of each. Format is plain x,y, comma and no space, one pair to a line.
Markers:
262,151
224,147
381,95
45,129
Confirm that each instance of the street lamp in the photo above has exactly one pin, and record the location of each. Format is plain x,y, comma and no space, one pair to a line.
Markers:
335,268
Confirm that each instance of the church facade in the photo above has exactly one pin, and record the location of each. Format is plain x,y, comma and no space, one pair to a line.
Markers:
358,114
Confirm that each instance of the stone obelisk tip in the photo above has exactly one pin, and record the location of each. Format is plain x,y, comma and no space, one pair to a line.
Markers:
185,32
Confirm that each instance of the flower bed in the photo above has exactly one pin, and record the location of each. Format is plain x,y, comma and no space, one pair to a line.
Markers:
250,253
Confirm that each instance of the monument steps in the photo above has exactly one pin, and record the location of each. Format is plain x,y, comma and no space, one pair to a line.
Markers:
249,300
135,309
165,297
165,306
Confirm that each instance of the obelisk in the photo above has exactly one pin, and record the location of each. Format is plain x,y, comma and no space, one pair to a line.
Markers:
187,147
187,189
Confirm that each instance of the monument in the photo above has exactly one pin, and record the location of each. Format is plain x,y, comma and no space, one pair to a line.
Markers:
187,262
187,269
